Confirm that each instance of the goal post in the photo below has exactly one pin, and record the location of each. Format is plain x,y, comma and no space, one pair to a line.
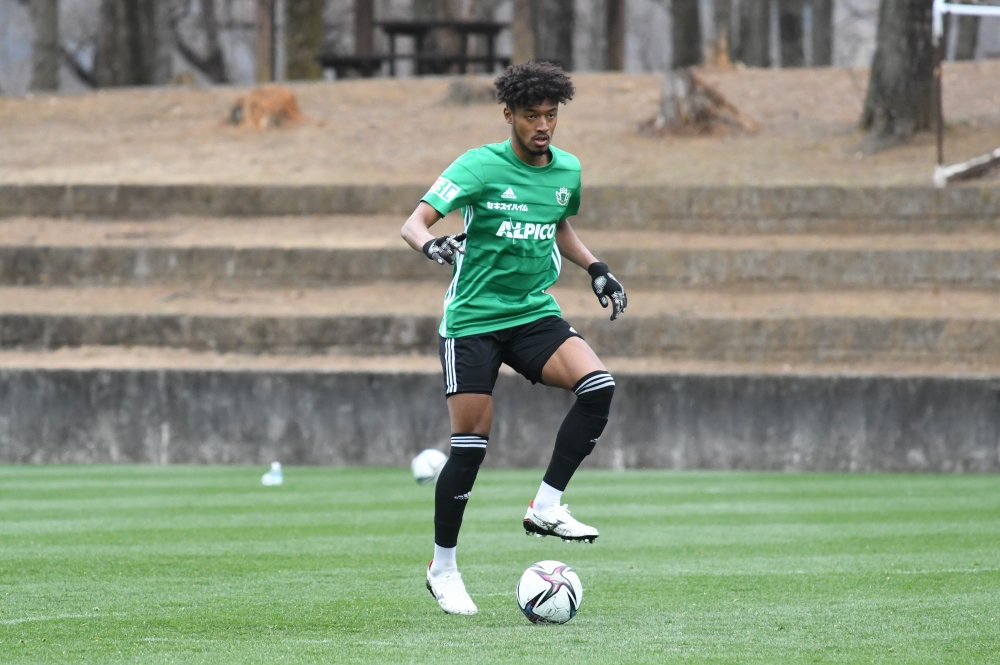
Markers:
977,165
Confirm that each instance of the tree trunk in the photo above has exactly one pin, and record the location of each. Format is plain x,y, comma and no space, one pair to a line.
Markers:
364,17
755,33
722,12
264,40
967,38
554,32
900,100
523,31
132,48
162,46
303,38
822,33
615,31
790,33
686,32
212,64
45,55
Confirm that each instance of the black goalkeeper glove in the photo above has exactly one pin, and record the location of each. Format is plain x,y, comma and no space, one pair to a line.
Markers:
606,286
443,249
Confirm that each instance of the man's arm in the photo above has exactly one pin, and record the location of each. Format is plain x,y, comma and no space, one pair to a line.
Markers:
415,229
571,247
606,287
415,233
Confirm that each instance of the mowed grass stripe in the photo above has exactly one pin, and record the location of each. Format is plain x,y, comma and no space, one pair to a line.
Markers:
202,564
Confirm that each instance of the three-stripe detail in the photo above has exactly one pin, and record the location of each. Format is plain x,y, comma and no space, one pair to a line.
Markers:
450,376
468,441
594,381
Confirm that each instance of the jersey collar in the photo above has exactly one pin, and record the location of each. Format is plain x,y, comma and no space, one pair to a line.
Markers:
518,161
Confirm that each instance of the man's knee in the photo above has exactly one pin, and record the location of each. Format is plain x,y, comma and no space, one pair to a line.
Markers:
594,393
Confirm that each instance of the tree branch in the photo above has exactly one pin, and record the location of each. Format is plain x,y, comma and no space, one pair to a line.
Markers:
86,76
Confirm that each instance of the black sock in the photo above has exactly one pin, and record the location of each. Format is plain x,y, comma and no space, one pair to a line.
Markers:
454,485
582,427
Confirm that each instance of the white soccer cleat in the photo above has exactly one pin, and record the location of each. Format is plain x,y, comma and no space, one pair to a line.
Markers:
557,522
449,591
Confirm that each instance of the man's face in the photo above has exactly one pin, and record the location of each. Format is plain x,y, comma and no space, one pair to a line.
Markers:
533,126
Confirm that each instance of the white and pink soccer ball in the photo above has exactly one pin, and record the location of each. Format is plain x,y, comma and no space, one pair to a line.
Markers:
549,592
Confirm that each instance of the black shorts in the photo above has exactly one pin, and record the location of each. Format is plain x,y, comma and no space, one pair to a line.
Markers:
471,363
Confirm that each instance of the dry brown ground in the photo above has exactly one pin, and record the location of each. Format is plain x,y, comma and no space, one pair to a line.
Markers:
402,131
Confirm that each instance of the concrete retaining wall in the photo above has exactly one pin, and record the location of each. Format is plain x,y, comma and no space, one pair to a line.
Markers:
664,421
621,205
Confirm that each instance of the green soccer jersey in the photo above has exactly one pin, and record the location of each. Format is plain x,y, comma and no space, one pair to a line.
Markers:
511,212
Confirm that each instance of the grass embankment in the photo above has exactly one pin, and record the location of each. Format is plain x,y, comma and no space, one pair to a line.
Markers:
148,564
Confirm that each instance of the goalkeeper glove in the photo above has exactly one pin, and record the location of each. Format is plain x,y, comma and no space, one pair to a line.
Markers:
606,286
443,249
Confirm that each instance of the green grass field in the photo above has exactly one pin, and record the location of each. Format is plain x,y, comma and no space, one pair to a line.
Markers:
203,564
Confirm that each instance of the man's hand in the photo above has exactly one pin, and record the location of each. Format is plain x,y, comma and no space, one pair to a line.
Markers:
606,286
443,249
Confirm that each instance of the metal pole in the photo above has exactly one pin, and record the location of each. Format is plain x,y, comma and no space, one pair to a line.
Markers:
937,30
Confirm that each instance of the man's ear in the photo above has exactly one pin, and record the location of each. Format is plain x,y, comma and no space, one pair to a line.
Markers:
508,115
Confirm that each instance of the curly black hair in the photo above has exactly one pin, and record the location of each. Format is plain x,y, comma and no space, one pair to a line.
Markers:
521,86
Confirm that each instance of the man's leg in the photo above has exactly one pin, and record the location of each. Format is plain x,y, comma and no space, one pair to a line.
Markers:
576,367
471,418
470,367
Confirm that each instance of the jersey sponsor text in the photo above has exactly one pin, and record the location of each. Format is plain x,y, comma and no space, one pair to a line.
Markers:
528,231
507,207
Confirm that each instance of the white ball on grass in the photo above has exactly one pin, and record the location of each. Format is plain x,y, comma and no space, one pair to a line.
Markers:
427,465
549,592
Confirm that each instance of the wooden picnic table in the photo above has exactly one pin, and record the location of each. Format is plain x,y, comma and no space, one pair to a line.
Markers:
368,64
434,62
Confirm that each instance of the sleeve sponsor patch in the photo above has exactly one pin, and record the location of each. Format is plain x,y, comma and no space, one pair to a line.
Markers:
445,189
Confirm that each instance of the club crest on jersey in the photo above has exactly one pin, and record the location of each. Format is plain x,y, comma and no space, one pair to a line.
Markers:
562,196
529,231
445,189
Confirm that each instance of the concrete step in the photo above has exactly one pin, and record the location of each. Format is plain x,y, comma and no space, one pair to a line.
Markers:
392,318
620,205
316,252
117,405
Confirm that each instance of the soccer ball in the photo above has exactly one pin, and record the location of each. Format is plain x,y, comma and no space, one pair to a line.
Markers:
427,465
549,592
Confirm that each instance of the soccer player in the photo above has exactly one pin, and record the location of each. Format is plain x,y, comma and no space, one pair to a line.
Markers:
516,198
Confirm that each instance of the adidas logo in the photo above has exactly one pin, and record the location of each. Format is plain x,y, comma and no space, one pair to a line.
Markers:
463,497
509,194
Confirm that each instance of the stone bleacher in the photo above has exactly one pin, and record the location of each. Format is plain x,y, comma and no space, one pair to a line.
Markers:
809,328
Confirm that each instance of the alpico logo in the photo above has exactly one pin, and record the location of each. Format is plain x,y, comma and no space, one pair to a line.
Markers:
562,196
528,231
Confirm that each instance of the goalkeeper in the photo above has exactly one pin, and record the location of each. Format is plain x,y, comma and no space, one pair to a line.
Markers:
516,198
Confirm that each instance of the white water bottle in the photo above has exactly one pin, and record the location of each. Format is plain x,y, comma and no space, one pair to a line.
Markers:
274,476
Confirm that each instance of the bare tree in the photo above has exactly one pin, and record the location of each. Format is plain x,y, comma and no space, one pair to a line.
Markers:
720,48
134,45
45,53
790,33
899,100
303,38
755,33
553,25
822,32
211,63
523,31
686,33
615,30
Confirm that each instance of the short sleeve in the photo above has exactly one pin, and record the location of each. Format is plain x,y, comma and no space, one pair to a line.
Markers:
573,207
458,186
